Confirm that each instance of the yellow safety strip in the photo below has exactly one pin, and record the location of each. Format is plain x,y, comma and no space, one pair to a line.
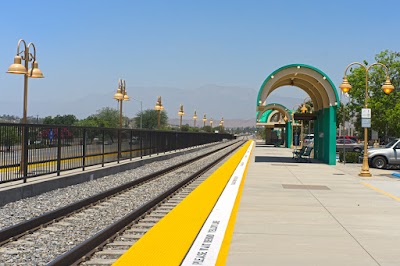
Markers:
223,253
381,191
167,242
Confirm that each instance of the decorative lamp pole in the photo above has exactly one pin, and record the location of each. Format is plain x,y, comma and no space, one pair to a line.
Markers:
18,68
387,87
194,118
180,113
211,122
34,72
221,124
121,95
159,107
204,120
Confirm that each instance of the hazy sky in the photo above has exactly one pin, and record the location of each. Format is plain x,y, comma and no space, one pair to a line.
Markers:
84,47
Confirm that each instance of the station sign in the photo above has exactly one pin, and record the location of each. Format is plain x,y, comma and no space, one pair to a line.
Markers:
366,113
366,122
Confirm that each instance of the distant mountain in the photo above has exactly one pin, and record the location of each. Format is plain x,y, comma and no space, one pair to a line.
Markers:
236,104
228,123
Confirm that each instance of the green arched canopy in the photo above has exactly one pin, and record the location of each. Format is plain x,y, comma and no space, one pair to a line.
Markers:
265,112
325,99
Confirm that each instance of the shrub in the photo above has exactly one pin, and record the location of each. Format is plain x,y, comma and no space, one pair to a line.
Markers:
351,156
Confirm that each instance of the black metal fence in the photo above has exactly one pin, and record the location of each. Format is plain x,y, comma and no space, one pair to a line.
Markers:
32,150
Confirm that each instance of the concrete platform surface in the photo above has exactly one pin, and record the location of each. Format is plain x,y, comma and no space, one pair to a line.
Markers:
295,213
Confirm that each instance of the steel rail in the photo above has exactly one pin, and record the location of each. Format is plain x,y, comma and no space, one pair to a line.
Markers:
76,254
15,231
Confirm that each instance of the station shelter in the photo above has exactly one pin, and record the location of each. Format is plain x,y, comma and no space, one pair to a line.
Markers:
278,128
325,100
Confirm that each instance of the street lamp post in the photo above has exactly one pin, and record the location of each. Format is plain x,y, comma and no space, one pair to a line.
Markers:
211,122
204,120
221,124
387,87
180,113
342,131
18,68
194,118
121,95
159,107
34,72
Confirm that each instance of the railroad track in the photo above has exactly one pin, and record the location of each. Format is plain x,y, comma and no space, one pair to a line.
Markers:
58,224
109,251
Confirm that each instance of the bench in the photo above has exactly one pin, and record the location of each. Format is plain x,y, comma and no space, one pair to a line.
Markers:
297,153
306,155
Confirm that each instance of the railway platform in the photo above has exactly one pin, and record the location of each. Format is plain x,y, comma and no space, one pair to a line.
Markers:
263,208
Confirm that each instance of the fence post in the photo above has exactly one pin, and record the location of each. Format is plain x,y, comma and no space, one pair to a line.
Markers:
130,144
25,151
141,144
58,151
158,143
119,145
102,148
151,143
84,150
176,140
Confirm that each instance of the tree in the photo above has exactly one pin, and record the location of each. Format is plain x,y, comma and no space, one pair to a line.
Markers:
185,128
344,108
194,129
108,117
207,128
105,117
66,120
150,119
48,120
385,108
90,121
9,136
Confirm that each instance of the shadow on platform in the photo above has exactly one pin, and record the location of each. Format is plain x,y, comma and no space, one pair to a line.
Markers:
266,145
277,159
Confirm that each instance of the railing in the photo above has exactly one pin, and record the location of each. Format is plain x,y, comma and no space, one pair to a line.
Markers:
32,150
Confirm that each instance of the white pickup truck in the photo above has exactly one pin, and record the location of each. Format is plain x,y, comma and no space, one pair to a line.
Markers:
381,157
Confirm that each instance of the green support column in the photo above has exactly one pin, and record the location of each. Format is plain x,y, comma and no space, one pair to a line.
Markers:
325,128
317,142
330,139
325,135
289,134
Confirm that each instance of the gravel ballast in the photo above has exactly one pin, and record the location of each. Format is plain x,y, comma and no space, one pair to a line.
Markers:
46,244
